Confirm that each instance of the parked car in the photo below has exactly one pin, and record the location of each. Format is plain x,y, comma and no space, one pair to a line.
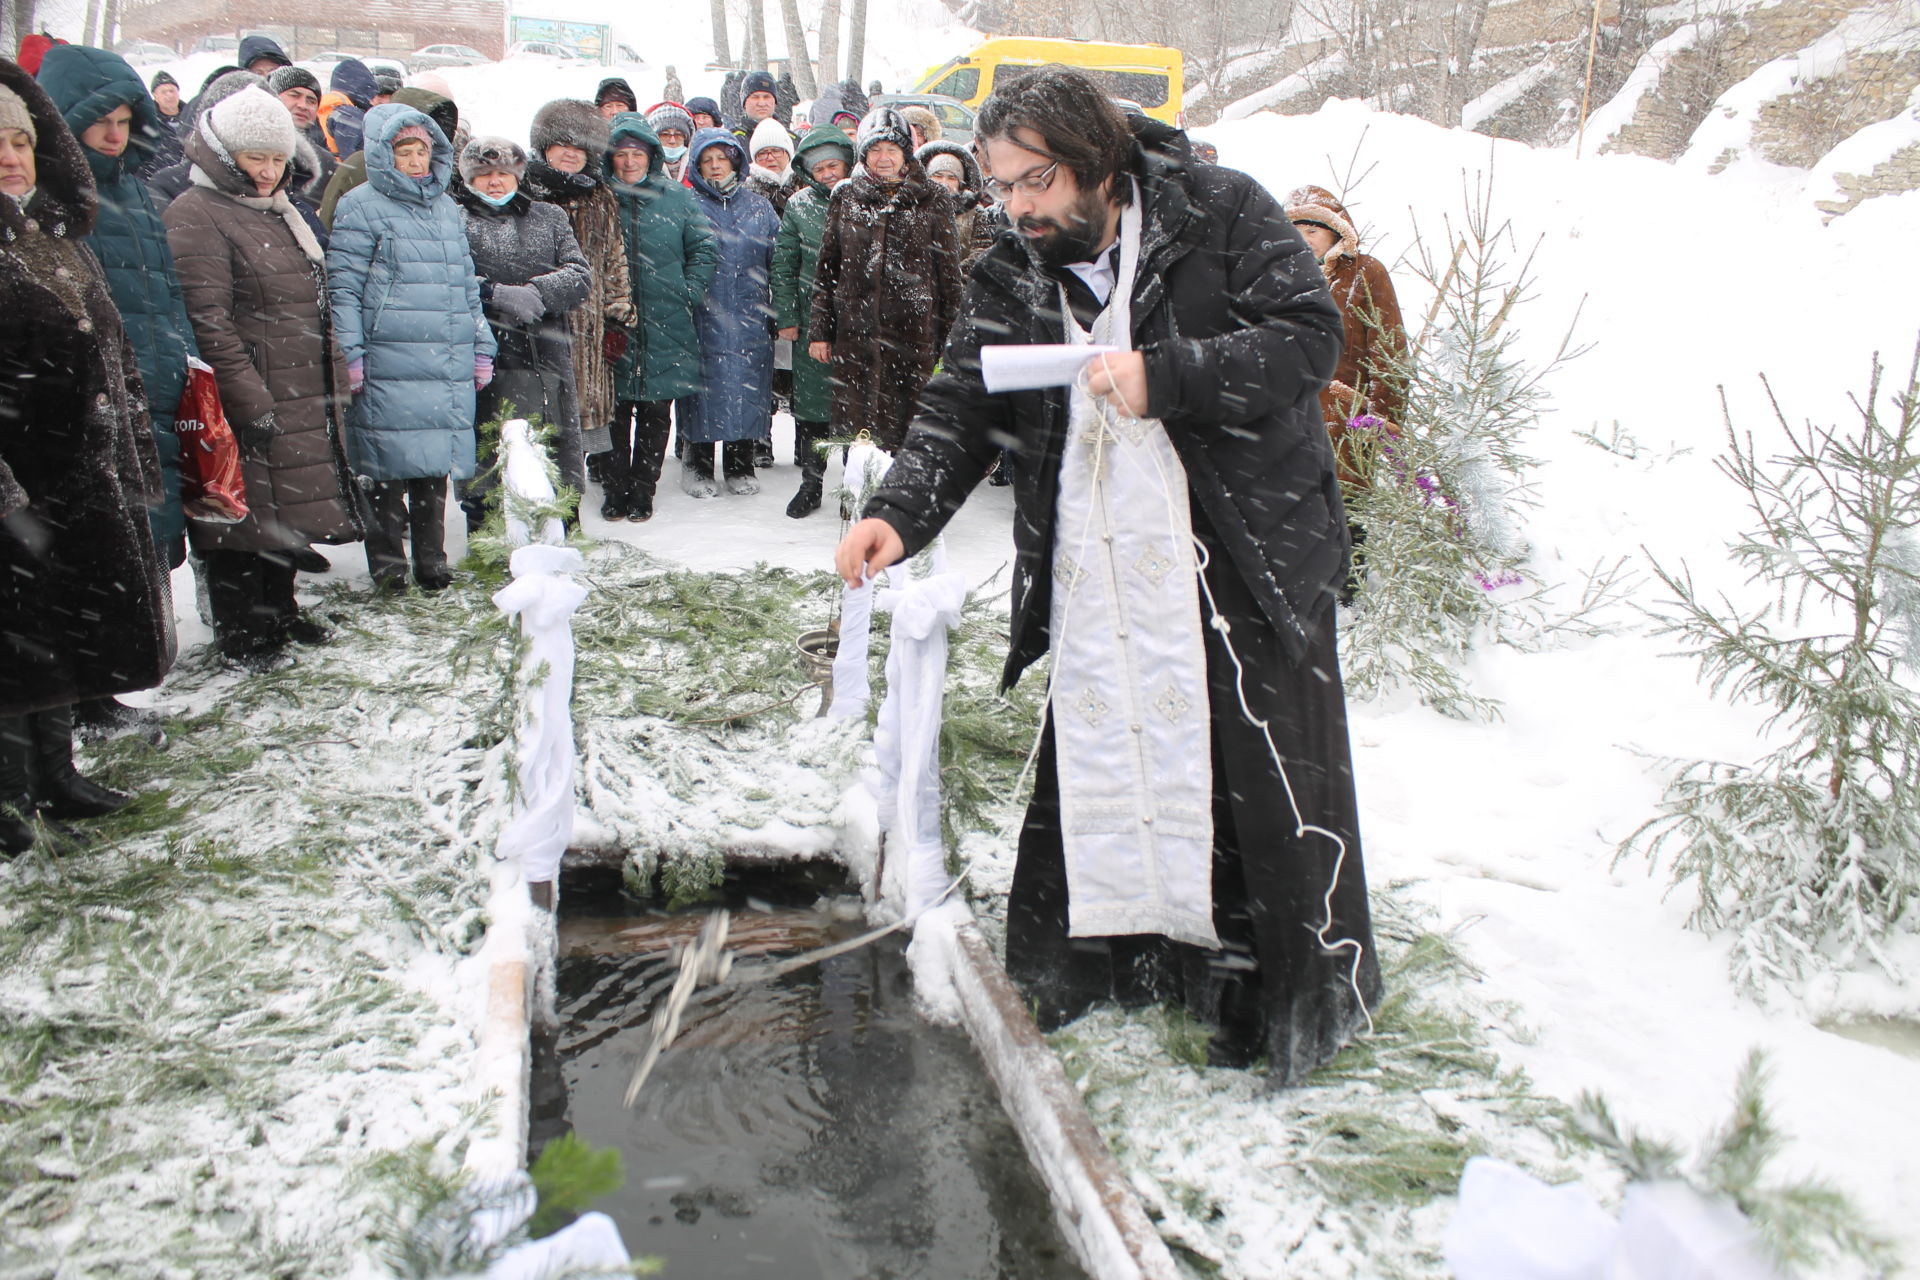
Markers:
955,116
217,44
435,56
542,49
143,53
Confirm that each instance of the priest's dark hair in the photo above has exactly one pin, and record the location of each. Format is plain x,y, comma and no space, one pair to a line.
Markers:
1079,124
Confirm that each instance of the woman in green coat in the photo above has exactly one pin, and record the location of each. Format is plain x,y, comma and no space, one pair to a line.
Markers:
672,255
825,157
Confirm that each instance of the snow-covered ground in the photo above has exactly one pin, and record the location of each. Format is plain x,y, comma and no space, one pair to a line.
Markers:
1499,834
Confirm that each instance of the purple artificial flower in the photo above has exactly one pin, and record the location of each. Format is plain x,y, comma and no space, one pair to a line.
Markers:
1505,578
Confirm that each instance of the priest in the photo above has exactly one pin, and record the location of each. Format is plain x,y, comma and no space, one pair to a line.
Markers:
1193,834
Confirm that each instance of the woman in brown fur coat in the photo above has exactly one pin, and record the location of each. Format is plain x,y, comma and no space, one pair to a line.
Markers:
569,154
1365,381
888,285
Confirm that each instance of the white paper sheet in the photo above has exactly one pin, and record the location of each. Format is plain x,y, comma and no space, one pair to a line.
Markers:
1029,368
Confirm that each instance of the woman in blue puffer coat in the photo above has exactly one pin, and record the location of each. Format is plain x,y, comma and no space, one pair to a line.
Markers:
735,403
406,313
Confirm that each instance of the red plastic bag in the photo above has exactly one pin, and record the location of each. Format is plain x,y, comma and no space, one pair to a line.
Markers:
212,487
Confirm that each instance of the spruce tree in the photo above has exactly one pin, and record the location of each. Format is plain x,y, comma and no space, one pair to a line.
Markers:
1809,856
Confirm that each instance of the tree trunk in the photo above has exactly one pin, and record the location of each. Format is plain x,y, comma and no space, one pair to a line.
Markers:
856,38
829,42
88,23
756,54
721,54
797,57
109,21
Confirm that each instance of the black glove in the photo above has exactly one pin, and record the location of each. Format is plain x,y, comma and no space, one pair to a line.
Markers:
256,437
518,304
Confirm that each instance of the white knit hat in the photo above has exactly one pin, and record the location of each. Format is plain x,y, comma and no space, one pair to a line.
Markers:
253,120
770,133
14,114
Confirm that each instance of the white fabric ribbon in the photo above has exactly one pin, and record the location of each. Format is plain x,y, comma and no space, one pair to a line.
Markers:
543,597
907,738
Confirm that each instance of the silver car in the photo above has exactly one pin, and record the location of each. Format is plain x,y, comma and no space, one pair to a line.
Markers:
435,56
955,116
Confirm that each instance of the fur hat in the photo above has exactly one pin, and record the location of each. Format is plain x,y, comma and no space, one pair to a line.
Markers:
285,78
386,83
929,123
883,124
1317,204
770,133
757,82
252,120
570,122
615,89
492,155
670,115
707,105
14,114
160,78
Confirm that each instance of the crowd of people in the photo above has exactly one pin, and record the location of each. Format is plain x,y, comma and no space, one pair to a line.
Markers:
369,287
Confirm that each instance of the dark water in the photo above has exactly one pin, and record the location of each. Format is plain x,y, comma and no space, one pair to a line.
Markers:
814,1126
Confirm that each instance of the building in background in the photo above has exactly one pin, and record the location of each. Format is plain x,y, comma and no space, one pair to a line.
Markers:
363,28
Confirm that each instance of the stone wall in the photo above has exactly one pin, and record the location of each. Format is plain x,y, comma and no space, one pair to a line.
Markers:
1899,172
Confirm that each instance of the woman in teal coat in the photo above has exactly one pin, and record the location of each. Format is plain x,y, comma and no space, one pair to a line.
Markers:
107,106
825,157
672,254
406,313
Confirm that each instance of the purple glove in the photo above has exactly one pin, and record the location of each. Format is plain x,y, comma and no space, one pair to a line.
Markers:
482,371
356,375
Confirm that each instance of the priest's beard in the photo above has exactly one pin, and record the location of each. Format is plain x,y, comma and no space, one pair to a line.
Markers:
1068,240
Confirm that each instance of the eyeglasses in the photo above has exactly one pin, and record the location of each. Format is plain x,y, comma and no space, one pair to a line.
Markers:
1033,184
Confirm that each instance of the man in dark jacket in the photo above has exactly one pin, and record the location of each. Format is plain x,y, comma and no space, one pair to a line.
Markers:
1168,852
343,111
173,125
300,90
262,55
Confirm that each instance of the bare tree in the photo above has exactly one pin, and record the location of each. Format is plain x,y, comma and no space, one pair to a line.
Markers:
720,48
797,57
756,52
856,38
829,41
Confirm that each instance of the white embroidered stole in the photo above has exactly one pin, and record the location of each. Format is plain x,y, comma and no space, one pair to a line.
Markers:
1129,692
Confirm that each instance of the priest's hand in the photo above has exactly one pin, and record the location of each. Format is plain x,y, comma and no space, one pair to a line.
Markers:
1121,378
870,546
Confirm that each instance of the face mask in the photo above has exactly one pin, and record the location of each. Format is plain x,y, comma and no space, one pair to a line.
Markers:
674,154
728,183
498,202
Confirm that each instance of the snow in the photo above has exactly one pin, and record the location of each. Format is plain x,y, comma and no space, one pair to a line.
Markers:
1503,832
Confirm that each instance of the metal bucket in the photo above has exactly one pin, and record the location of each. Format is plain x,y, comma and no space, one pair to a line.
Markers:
817,650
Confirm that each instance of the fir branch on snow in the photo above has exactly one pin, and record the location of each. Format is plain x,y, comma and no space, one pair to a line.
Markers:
1810,856
1804,1223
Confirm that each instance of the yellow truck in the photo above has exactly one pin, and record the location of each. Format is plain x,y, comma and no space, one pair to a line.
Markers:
1148,75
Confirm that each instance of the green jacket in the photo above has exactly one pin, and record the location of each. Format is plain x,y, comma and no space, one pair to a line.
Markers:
795,255
672,255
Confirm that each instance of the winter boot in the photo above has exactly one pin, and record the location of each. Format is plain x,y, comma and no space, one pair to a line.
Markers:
736,461
813,468
16,800
101,719
696,472
308,560
427,519
59,788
